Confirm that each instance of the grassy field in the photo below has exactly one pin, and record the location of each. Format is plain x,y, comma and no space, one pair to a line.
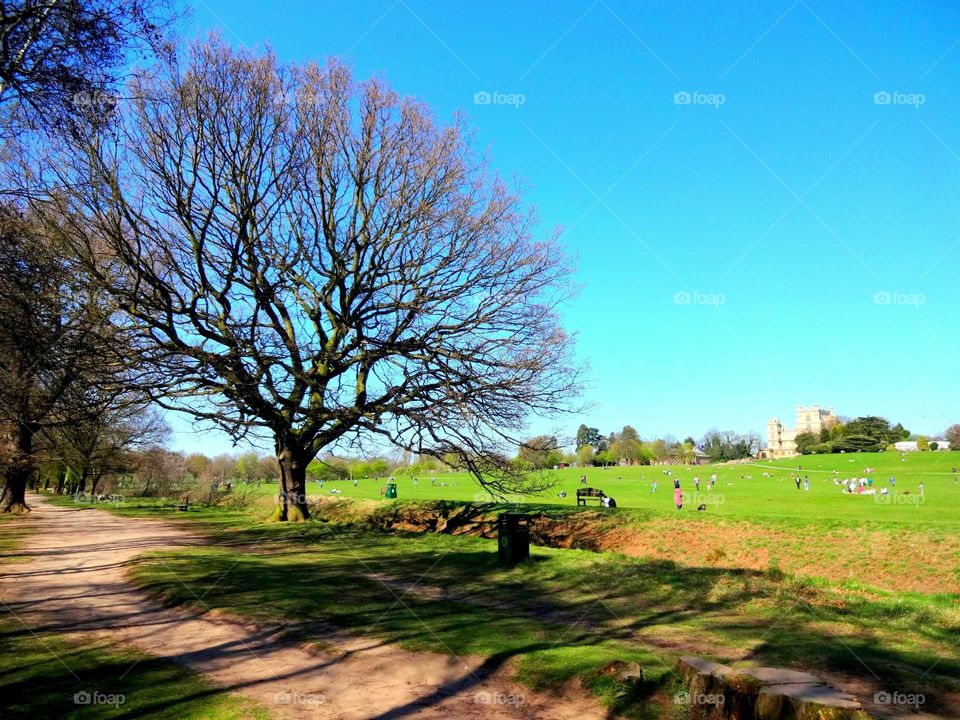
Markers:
43,674
755,516
865,593
741,491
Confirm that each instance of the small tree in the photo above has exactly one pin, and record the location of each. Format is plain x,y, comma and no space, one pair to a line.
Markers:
952,435
539,452
934,445
585,455
923,442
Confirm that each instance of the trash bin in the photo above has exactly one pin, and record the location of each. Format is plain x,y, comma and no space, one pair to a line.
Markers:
391,493
513,538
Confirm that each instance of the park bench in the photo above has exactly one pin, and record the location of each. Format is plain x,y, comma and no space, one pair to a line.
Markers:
183,504
583,494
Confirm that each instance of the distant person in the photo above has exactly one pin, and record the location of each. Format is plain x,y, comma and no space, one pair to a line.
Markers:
583,479
696,481
797,480
893,481
806,483
653,486
676,483
713,479
921,487
677,495
355,482
562,494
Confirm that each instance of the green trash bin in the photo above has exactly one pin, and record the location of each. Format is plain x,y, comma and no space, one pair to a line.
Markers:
391,493
513,538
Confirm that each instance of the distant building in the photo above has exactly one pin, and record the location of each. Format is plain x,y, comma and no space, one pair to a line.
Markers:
782,441
911,445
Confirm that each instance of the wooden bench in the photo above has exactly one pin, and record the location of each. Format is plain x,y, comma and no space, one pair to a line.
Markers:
583,494
183,504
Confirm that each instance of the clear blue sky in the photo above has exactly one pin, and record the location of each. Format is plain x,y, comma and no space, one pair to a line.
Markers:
825,221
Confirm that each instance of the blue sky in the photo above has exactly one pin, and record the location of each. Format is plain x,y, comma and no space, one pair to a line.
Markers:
788,235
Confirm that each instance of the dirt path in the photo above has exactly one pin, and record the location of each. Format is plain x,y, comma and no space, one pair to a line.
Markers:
74,581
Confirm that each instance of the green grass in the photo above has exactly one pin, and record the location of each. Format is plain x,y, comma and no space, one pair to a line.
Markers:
43,673
758,499
565,614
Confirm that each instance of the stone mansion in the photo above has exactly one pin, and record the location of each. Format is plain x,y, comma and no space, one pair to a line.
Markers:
781,441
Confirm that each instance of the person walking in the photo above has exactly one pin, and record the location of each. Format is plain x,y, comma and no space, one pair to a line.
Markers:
677,494
806,483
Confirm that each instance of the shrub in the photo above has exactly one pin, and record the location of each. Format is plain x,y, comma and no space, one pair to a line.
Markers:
857,443
806,441
934,445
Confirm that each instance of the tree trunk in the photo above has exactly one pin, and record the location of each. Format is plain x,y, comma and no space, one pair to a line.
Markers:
82,485
292,503
13,499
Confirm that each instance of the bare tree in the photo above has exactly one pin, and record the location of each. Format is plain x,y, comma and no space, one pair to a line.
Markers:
55,346
61,57
317,259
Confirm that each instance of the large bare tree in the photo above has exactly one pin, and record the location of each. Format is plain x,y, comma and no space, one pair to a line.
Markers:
318,259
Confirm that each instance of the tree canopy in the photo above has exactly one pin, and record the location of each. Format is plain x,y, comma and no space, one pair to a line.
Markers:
317,259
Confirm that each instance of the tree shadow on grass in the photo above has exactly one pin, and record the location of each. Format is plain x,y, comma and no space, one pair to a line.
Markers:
607,600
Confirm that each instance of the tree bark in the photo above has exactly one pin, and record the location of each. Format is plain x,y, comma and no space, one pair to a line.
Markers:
292,503
13,499
82,485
